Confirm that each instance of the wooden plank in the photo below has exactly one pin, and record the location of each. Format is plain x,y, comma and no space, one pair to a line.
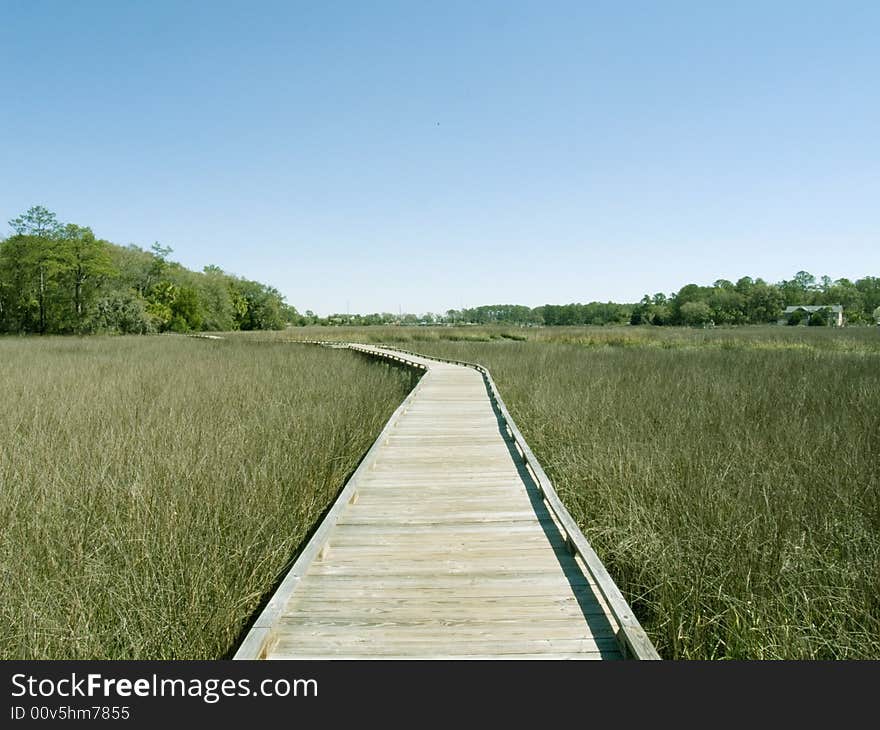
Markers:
360,597
474,517
483,584
327,646
532,527
507,565
453,541
541,627
422,605
433,656
430,548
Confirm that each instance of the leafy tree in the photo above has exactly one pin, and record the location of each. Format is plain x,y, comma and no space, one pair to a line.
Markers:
262,306
215,296
37,221
133,267
845,293
21,281
652,310
764,303
159,300
727,305
31,265
696,313
160,252
186,312
801,289
805,280
86,265
869,289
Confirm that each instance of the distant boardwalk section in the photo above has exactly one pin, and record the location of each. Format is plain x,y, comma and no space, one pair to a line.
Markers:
448,542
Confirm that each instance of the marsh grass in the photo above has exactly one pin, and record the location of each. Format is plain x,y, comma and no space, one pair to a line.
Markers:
771,337
733,491
152,490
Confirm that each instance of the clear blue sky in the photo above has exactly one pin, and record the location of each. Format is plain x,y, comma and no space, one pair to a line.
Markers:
429,155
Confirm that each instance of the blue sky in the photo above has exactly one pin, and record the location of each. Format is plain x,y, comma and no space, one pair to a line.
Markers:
421,156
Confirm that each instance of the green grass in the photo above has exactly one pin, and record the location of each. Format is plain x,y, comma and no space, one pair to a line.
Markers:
153,490
732,486
770,337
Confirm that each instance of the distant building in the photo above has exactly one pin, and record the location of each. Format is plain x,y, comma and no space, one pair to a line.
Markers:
835,313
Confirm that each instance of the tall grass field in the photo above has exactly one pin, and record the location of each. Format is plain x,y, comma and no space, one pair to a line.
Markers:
153,490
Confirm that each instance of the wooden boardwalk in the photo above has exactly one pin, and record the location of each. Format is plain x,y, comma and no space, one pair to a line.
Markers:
447,542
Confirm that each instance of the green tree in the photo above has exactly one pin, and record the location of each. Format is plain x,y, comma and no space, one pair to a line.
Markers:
157,270
186,311
764,302
37,221
801,289
86,265
159,302
655,310
845,293
31,265
259,307
688,293
695,313
215,296
744,285
133,267
727,305
869,288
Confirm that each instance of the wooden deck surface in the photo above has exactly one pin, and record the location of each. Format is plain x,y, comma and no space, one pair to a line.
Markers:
440,546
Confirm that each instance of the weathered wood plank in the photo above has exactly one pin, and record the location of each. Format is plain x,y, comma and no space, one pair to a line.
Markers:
544,582
433,549
419,605
477,566
379,646
434,656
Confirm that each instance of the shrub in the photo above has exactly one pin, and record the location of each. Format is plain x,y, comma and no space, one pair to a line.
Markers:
819,318
122,313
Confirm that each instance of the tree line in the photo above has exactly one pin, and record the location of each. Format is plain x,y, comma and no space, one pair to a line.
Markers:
754,301
58,278
748,301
